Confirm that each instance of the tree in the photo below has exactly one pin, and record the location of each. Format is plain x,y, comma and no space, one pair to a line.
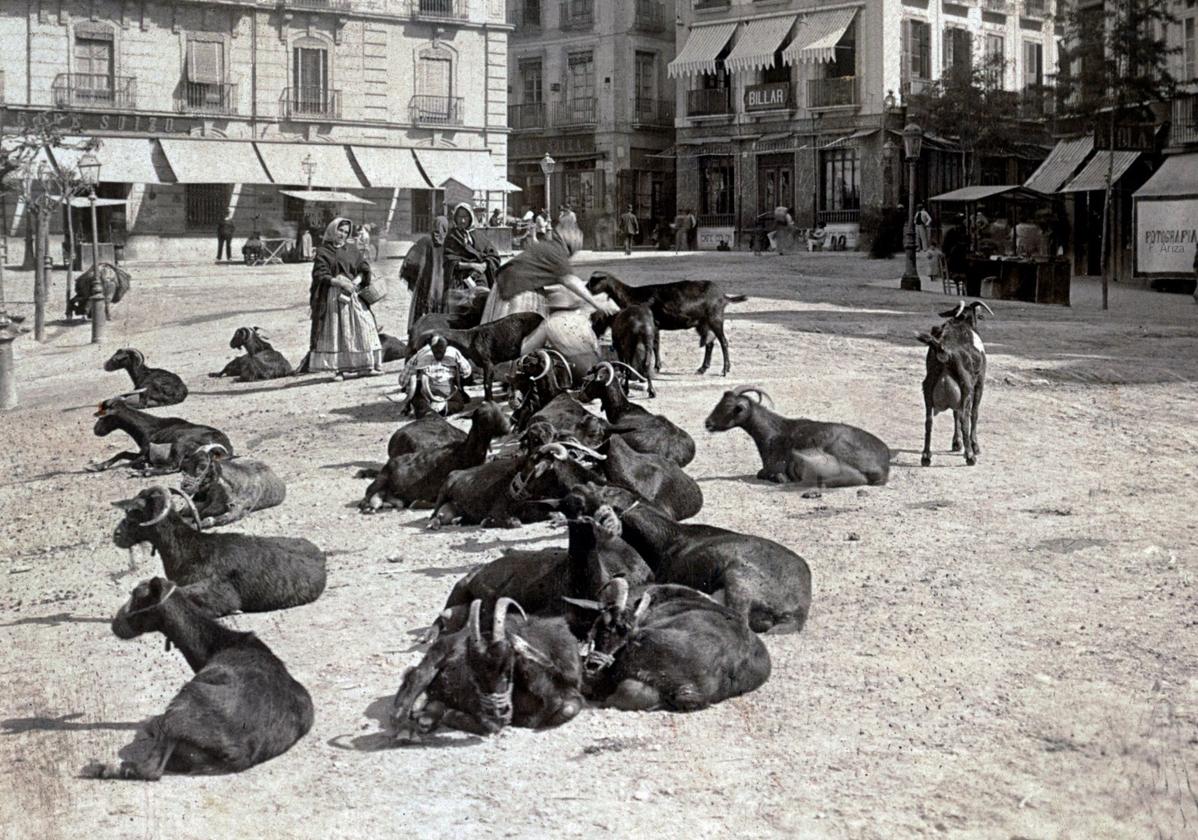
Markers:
1114,66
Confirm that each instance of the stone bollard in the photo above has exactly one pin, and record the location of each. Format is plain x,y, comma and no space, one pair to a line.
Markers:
9,331
99,306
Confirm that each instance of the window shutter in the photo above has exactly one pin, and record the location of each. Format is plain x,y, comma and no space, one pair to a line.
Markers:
905,49
204,62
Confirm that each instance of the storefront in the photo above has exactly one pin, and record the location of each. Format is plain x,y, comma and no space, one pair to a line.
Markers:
1166,211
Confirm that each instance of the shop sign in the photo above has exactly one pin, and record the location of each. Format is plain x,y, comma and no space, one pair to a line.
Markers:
85,122
709,238
769,97
1166,236
565,145
1134,137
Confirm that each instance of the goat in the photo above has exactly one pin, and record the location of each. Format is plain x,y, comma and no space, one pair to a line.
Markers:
115,282
642,430
154,387
955,378
570,418
230,571
479,495
261,360
765,583
487,344
418,476
806,452
527,674
682,305
241,708
633,333
394,349
225,489
675,650
537,378
652,477
162,442
430,431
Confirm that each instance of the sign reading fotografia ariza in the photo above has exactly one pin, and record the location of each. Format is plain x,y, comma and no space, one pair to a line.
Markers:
1166,236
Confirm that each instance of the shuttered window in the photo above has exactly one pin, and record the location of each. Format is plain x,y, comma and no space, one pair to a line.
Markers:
93,63
580,79
434,76
205,62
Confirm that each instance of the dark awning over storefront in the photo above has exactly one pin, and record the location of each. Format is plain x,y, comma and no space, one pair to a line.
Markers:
1177,178
967,195
1093,176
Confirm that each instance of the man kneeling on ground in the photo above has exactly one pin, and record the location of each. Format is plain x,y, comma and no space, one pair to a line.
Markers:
432,379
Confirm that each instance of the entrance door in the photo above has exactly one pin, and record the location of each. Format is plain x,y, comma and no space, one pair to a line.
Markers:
775,185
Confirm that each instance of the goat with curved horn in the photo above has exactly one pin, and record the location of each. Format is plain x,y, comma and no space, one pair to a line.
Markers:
191,506
546,366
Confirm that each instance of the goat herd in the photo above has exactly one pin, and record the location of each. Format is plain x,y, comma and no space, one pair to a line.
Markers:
638,611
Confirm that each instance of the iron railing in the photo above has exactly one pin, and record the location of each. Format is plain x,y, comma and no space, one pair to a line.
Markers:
701,5
577,14
715,219
648,16
653,112
574,112
706,103
1184,127
440,9
90,90
310,103
914,87
1035,103
197,98
530,115
435,110
833,217
832,93
317,5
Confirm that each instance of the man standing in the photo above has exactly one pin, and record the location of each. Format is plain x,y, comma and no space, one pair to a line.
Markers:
224,238
692,230
630,227
923,219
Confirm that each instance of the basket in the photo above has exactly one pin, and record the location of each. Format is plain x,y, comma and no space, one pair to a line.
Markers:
376,291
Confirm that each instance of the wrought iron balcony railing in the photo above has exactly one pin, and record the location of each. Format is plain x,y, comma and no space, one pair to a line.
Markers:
1184,127
435,110
832,93
530,115
707,103
577,14
653,112
310,103
703,5
317,5
196,98
440,9
90,90
574,113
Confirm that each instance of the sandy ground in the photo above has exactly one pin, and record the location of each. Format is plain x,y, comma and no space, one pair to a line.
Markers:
999,651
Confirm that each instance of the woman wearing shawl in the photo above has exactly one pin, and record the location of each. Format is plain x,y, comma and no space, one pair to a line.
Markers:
540,279
467,251
344,336
423,270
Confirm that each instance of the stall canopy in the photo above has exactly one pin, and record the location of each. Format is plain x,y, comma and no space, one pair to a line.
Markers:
325,196
1060,164
284,162
701,50
214,161
1093,176
818,35
123,160
1013,192
471,167
1177,178
389,167
757,44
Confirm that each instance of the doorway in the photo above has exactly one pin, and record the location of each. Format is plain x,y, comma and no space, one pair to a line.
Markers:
775,183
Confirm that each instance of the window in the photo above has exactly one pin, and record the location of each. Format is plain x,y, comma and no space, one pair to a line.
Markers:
716,177
776,72
917,51
531,82
532,12
845,63
995,60
1189,50
646,77
841,188
206,204
958,52
205,75
580,76
434,76
1033,64
93,68
580,189
310,80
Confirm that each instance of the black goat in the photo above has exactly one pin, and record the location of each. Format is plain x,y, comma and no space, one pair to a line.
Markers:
394,349
479,495
633,337
767,584
537,378
226,572
806,452
429,432
261,360
675,650
955,378
115,282
487,344
162,442
418,476
652,477
225,489
570,418
155,387
682,305
642,430
526,674
241,708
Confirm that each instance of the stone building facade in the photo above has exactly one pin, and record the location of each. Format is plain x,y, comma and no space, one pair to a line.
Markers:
206,109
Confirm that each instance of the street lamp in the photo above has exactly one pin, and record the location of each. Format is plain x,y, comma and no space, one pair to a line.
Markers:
309,167
89,174
547,166
912,144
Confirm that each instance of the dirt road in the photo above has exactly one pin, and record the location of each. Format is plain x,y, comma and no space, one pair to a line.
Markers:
1000,651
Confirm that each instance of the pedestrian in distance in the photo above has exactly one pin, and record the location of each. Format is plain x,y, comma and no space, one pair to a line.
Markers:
692,230
923,220
629,227
224,238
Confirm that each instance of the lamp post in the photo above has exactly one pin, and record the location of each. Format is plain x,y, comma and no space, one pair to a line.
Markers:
309,167
547,166
89,173
912,143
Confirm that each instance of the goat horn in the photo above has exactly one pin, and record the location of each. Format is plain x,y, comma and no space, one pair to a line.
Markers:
585,449
620,585
633,371
642,607
472,623
159,490
605,367
546,365
982,304
565,361
960,308
195,514
212,447
744,390
554,449
499,623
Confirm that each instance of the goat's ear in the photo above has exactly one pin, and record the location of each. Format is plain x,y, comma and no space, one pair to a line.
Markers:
159,587
127,504
529,653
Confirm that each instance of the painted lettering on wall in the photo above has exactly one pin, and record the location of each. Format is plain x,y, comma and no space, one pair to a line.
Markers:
1166,236
82,122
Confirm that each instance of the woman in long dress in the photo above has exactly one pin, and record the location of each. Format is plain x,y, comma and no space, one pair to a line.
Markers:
541,279
344,337
423,269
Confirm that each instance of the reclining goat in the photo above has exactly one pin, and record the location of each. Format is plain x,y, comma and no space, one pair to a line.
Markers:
225,489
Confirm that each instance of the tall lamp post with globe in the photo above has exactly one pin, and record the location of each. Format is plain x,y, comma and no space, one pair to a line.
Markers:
548,164
89,173
912,144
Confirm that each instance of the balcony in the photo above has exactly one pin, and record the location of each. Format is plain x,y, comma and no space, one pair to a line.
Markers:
317,5
84,90
577,14
649,16
708,103
195,98
440,10
435,110
527,117
832,93
310,103
1035,8
914,87
653,113
575,113
1184,128
705,5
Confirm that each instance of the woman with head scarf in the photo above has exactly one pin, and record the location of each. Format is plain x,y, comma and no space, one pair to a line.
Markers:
541,279
467,251
344,337
423,269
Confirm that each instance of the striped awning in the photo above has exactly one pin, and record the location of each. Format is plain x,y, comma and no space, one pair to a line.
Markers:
1061,163
213,161
389,167
701,50
1093,176
331,165
123,160
757,44
817,36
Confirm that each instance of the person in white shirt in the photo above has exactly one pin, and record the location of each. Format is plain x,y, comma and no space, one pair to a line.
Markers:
923,219
438,370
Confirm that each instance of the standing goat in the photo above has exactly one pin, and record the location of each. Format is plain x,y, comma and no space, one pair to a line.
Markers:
261,360
487,344
225,489
955,378
806,452
242,707
162,442
155,387
634,337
